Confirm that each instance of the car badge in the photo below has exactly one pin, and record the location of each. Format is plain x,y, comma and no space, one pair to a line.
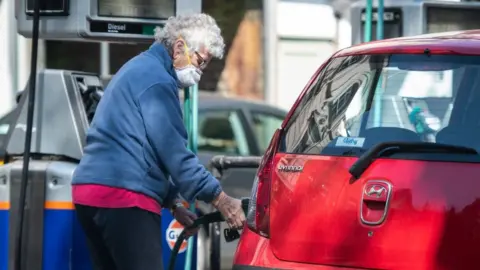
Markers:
376,190
374,205
290,168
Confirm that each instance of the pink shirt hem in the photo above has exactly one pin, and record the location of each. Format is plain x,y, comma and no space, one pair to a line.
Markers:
111,197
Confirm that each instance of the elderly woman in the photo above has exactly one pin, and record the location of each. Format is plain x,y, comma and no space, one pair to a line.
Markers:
136,160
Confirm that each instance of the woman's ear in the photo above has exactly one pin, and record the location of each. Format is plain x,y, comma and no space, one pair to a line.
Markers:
178,48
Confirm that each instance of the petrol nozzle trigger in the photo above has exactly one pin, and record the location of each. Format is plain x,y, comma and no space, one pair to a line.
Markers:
206,219
233,234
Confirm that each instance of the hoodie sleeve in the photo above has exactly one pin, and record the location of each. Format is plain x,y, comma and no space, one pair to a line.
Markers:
163,120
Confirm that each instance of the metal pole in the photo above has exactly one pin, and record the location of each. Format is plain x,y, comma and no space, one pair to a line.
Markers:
187,111
377,113
368,22
104,60
270,38
192,129
12,34
380,20
187,116
8,34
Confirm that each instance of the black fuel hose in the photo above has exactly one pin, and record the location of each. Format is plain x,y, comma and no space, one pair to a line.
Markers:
18,258
203,220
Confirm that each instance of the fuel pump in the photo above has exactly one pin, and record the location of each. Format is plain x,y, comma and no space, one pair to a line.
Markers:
403,18
48,133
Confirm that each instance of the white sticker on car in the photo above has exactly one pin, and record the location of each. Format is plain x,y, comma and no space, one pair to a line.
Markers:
350,142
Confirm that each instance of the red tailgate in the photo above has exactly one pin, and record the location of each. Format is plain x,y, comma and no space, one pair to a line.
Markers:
432,217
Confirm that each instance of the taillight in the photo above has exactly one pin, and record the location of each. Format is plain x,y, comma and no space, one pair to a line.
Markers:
258,216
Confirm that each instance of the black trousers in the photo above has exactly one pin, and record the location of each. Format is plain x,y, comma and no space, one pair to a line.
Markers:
122,238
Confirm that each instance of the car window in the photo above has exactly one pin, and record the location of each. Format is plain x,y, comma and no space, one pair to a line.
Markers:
264,125
222,132
4,129
360,101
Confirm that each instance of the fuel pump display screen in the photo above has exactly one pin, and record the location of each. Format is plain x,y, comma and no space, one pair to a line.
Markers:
444,19
51,7
131,21
139,9
392,23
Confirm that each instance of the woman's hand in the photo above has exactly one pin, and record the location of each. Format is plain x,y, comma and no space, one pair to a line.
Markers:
185,217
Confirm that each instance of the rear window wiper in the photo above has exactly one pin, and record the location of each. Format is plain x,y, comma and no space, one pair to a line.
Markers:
388,148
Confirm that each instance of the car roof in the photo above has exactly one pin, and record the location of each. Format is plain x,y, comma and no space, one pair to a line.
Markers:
207,99
458,42
215,100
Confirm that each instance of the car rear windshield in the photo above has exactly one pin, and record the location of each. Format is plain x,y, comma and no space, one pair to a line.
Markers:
357,102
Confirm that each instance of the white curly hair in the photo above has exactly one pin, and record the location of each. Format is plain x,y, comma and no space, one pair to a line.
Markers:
196,29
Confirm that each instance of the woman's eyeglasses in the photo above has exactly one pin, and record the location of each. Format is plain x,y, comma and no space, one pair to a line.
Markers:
200,61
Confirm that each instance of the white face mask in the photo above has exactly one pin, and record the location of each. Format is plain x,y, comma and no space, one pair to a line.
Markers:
188,76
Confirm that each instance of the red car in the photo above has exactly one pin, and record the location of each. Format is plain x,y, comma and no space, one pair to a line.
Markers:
351,181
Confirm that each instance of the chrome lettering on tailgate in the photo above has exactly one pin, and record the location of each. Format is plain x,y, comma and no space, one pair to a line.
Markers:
290,168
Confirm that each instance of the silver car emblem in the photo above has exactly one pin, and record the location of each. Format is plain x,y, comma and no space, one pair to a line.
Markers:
290,168
375,190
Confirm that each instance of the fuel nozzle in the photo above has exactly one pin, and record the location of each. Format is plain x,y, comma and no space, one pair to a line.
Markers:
245,203
232,234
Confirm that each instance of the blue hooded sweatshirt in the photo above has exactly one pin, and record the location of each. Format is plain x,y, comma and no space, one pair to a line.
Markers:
137,140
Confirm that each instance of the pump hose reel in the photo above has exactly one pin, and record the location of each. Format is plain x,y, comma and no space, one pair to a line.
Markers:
204,220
